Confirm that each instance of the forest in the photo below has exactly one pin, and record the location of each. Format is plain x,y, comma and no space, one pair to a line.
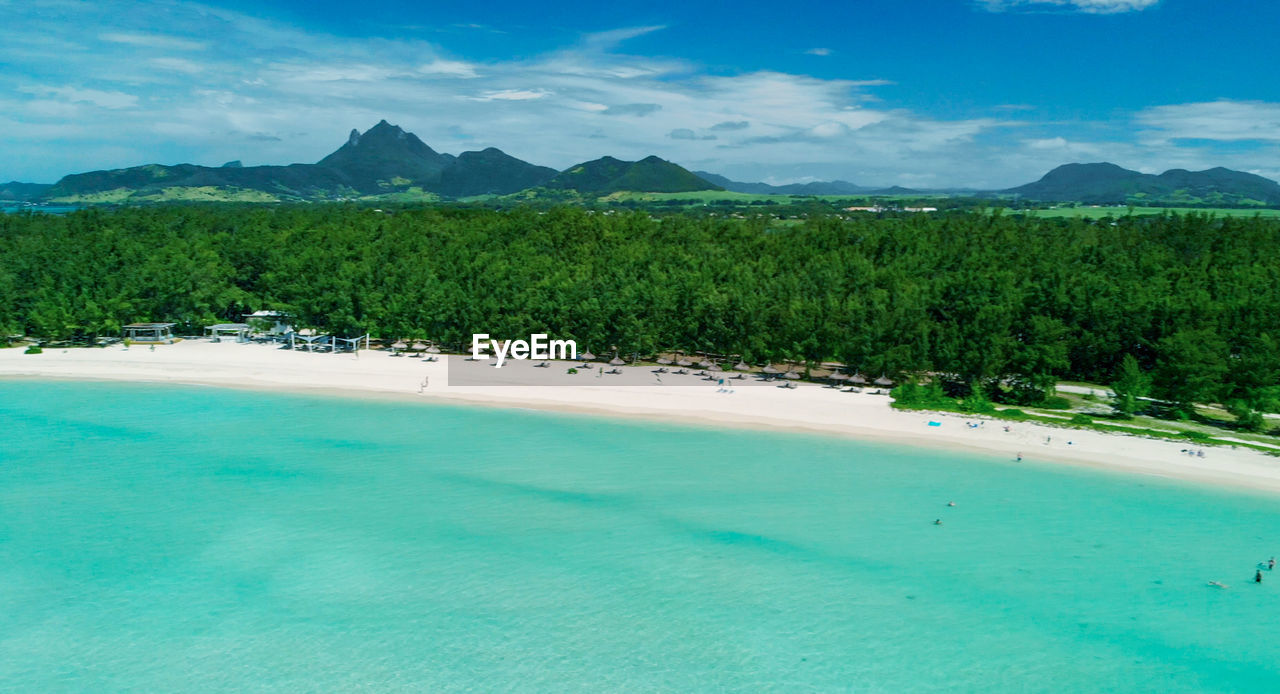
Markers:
1183,308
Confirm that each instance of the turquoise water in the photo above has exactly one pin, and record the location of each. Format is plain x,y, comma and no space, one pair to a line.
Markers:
46,209
187,539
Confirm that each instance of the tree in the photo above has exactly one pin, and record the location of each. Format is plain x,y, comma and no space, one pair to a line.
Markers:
1131,385
1190,367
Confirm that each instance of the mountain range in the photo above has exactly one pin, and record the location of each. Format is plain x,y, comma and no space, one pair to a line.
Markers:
386,162
812,188
1107,183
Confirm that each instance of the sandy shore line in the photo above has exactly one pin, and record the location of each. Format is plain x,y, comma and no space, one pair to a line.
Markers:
638,393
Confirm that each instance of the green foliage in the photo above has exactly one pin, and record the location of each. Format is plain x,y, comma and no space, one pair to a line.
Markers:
1191,367
913,395
1004,302
1197,436
1081,418
1055,402
1130,386
977,402
1011,413
33,349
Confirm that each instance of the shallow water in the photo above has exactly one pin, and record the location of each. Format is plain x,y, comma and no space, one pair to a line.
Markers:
195,539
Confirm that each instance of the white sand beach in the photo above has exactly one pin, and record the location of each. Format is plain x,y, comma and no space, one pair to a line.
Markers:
637,393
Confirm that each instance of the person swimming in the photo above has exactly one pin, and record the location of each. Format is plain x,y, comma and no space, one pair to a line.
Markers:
1257,576
1271,565
1218,585
952,503
938,522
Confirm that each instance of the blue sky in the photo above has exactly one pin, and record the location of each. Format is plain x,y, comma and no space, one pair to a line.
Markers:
984,93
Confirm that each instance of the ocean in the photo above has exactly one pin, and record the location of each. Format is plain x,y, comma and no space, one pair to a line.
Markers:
188,539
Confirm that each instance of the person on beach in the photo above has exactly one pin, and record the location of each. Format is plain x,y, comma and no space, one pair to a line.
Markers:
1019,456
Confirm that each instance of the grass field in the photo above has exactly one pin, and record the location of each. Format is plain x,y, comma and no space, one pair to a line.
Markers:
712,196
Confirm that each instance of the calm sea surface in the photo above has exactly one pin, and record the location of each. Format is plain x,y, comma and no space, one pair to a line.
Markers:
164,539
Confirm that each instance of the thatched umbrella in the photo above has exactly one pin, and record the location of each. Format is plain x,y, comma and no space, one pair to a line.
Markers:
399,345
418,346
769,370
837,376
741,366
791,375
714,367
616,362
433,350
883,382
858,379
663,361
706,364
587,356
684,362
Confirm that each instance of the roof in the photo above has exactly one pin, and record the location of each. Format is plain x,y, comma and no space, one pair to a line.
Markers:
228,326
150,326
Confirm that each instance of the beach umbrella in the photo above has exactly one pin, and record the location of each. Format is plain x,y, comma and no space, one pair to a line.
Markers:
883,382
858,379
837,376
684,362
741,366
433,350
587,356
704,364
663,361
791,375
768,369
616,362
418,346
399,345
714,367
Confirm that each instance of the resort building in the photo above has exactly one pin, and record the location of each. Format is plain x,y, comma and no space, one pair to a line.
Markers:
240,331
149,332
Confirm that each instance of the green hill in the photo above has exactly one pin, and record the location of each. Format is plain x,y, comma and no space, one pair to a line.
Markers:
15,191
1104,183
609,175
490,172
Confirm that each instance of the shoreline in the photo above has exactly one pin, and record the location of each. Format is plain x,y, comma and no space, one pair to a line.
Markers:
808,409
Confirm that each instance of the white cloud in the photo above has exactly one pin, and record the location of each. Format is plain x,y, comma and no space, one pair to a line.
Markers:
513,95
154,41
97,97
177,65
1087,6
1223,120
819,51
452,68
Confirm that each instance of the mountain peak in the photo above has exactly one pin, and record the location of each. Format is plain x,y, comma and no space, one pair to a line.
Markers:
385,153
